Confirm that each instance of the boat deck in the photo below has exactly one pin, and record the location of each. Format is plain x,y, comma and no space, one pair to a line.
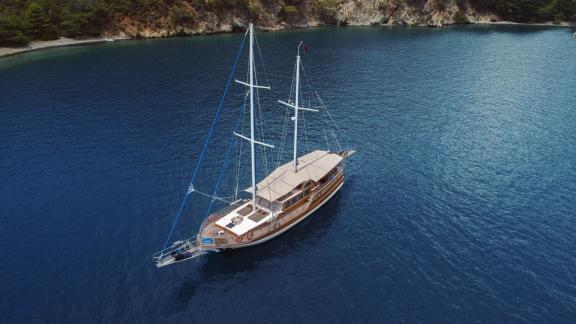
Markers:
220,236
238,225
228,226
243,219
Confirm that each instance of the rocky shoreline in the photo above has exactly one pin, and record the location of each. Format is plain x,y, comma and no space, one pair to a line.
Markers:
63,42
186,18
273,16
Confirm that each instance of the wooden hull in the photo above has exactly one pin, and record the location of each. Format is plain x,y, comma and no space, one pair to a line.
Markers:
283,229
284,221
219,231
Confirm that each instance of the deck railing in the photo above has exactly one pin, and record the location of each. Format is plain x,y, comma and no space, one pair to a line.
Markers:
178,246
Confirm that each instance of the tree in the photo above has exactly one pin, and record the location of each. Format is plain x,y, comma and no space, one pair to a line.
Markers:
11,32
559,18
40,24
255,11
85,19
327,10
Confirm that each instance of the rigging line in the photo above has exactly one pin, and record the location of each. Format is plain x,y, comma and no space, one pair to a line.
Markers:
328,125
225,163
212,196
330,117
326,137
306,126
286,119
220,105
240,144
292,84
336,139
335,125
283,137
239,156
309,84
262,148
261,59
323,107
260,118
305,131
331,122
237,170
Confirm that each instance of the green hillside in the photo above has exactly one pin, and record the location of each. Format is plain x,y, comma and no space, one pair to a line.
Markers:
24,20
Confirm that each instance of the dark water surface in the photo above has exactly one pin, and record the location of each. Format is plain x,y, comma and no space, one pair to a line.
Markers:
459,206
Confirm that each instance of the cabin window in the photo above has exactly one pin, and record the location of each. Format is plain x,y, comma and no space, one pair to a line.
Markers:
276,206
263,202
332,173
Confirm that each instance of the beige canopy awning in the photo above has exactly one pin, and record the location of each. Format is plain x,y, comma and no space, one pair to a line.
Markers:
312,166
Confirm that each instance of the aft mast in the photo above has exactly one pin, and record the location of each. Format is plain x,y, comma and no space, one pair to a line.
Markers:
296,108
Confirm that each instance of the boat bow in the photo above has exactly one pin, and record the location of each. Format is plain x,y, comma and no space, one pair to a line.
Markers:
179,251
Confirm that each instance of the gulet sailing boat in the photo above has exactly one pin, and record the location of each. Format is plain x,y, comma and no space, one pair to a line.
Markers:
282,199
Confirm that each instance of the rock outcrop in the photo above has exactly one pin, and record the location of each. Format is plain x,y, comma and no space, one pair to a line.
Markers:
190,18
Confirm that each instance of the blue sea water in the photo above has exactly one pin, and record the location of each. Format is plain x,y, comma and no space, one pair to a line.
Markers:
458,207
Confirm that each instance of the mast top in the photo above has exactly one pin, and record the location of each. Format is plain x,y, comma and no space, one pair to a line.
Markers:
296,107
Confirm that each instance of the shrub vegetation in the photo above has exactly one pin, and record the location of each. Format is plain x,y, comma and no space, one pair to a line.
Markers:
24,20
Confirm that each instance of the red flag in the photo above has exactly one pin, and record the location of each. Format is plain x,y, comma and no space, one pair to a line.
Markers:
305,48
